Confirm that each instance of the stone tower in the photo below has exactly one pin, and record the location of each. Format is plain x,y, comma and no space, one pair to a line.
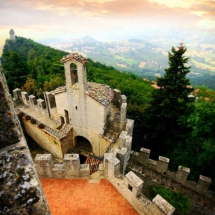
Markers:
12,34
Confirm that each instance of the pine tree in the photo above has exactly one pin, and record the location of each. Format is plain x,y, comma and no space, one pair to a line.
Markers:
169,102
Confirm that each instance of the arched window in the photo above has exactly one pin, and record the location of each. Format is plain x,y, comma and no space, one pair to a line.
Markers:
74,73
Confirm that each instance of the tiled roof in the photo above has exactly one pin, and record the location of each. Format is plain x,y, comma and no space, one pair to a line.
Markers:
100,92
58,90
78,57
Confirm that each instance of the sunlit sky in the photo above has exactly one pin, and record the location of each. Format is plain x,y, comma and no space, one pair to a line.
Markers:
101,19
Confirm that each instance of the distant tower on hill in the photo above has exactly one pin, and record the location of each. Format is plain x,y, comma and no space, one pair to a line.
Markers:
12,34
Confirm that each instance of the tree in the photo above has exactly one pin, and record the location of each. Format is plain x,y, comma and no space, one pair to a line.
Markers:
199,142
15,68
170,101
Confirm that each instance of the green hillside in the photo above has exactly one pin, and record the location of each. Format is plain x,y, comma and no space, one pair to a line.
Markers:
37,68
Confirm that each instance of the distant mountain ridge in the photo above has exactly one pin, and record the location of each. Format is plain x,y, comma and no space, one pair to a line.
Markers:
144,58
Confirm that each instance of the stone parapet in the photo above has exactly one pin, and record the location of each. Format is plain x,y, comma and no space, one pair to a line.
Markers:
58,134
163,205
70,168
22,97
129,127
131,187
158,171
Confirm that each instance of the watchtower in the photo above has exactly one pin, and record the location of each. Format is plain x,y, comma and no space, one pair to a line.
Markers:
12,34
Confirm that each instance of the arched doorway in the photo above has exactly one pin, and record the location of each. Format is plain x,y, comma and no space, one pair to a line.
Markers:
83,147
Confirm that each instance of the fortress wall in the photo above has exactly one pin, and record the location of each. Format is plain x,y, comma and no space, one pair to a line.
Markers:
45,140
129,127
21,190
158,172
10,131
70,168
130,187
30,101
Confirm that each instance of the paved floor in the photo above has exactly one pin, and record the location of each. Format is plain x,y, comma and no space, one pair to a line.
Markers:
79,197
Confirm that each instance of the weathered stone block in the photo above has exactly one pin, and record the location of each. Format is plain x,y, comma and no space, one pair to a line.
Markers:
58,171
44,164
182,174
163,205
129,127
25,97
85,171
162,164
133,183
44,160
122,156
72,165
123,99
32,100
144,156
122,139
152,164
203,183
41,103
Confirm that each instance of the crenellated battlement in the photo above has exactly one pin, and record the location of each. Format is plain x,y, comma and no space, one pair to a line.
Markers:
70,168
130,185
30,101
158,172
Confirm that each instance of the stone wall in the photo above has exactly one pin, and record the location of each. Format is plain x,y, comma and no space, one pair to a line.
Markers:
46,141
30,101
10,131
158,173
130,187
20,188
70,168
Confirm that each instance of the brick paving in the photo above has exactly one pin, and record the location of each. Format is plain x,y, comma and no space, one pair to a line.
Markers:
79,197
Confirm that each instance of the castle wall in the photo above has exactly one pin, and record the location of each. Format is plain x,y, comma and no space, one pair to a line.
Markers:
45,140
130,187
158,173
10,131
70,168
21,190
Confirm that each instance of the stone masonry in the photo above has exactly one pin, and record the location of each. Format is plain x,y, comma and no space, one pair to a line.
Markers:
20,189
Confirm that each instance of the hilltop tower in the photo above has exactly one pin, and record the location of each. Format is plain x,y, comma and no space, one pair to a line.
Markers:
12,34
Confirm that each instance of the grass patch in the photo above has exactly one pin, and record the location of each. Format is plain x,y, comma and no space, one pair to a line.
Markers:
181,203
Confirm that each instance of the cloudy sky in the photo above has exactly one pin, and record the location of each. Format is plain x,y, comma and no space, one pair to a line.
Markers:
43,19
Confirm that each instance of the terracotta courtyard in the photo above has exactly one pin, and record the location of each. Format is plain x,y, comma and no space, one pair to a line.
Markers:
84,197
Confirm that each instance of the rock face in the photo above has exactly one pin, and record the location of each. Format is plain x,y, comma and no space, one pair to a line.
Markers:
10,131
20,189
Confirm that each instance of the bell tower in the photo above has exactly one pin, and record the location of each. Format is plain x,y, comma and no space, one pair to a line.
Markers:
12,34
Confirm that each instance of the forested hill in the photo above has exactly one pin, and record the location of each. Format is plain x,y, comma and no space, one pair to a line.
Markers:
36,68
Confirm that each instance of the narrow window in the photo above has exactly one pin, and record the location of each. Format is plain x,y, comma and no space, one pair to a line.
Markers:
76,108
130,187
73,73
